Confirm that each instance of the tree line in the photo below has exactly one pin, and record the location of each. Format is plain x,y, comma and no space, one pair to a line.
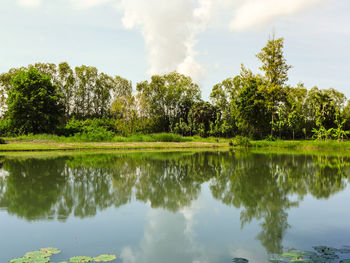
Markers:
50,98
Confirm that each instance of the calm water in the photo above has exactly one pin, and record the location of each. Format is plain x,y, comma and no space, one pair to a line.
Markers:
173,207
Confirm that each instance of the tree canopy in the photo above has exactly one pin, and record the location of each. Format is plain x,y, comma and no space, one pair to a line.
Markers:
33,103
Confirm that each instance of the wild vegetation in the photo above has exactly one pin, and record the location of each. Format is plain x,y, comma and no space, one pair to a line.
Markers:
87,105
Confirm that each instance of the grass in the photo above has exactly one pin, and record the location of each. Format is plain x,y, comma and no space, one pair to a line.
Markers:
303,145
45,142
154,137
55,143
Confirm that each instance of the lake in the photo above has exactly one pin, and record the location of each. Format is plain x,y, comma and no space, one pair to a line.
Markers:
157,207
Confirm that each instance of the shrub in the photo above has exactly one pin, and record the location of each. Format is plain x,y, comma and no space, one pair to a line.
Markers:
271,138
80,126
169,137
240,141
5,127
2,141
94,134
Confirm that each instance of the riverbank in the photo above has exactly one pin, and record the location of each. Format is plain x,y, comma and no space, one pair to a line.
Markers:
303,145
55,143
13,146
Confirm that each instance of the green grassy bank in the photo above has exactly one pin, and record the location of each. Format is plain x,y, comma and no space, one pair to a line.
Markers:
64,146
155,141
303,145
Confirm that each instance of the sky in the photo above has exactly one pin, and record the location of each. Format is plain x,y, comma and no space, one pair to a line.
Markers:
206,39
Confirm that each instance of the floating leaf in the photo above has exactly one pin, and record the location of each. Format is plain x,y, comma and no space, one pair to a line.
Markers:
345,261
277,260
50,250
293,255
36,254
18,260
325,250
240,260
105,258
302,260
81,259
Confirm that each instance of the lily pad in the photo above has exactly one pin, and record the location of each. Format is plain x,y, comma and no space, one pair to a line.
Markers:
81,259
105,258
240,260
50,250
345,261
18,260
325,250
277,260
36,254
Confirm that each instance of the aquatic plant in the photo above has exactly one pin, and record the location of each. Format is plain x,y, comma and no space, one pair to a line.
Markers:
322,254
44,256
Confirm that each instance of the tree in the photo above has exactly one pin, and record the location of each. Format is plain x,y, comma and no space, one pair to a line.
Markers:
252,113
276,69
294,109
33,103
202,114
167,98
322,106
274,63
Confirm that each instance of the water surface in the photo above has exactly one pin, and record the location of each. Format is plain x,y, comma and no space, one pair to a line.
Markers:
169,207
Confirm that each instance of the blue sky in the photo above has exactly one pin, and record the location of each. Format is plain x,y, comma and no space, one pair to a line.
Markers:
206,39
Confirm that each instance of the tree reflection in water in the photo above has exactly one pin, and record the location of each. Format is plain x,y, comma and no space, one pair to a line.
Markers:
265,186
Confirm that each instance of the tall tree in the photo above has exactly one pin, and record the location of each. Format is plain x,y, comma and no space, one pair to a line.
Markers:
169,97
275,67
33,103
251,110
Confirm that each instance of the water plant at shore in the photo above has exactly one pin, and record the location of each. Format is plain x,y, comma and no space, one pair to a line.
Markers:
322,254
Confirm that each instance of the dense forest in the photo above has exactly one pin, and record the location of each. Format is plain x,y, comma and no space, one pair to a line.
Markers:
56,99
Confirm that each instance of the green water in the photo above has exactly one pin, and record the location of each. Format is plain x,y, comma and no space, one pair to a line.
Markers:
169,207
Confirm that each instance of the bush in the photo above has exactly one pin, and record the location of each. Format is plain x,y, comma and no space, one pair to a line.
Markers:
94,134
270,138
169,137
240,141
80,126
5,127
2,141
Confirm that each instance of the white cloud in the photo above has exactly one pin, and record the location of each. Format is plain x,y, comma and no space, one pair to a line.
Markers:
89,3
169,29
29,3
253,13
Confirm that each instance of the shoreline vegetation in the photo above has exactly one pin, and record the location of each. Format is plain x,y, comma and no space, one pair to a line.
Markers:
162,141
85,109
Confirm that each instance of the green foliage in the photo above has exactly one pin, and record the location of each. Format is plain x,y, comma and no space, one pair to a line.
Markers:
241,141
274,63
167,98
33,103
94,134
88,105
5,127
200,116
270,138
2,141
